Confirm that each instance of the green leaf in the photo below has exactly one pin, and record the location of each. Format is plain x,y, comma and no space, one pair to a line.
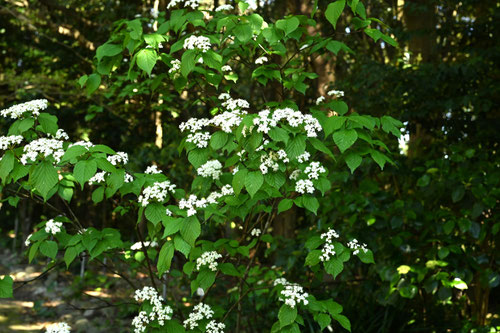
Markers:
82,80
319,145
313,242
229,269
197,157
239,180
333,12
218,140
253,182
345,138
279,134
288,25
332,124
205,279
108,50
343,321
334,266
423,181
84,170
98,194
44,177
353,161
323,320
243,32
378,157
154,39
146,60
6,287
48,122
287,315
285,205
340,107
188,62
155,212
366,257
6,164
311,204
93,82
190,230
49,249
70,255
181,245
296,146
312,258
165,257
375,34
171,225
391,125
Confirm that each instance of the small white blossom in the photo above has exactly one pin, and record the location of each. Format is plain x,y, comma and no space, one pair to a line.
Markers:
200,139
226,68
85,144
314,169
128,178
224,96
52,227
320,100
328,249
138,245
215,327
201,43
27,242
280,281
209,259
158,191
185,3
261,60
200,312
354,245
152,170
58,328
256,232
98,178
336,93
295,174
192,203
293,294
6,141
160,312
304,186
304,157
211,169
120,157
16,111
61,134
154,12
47,147
176,66
223,8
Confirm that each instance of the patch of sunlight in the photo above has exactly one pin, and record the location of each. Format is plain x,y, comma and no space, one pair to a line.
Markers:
97,293
3,319
26,327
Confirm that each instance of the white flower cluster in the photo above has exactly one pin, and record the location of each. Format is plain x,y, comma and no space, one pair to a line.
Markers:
226,68
328,249
152,170
200,139
314,169
208,258
200,312
157,191
27,242
85,144
223,8
320,100
97,178
120,157
304,186
260,60
235,104
159,312
256,232
281,281
269,161
6,141
58,328
293,294
215,196
185,3
52,227
210,169
304,157
201,43
61,134
138,245
128,178
354,245
47,147
295,174
192,203
176,65
215,327
336,93
292,117
34,106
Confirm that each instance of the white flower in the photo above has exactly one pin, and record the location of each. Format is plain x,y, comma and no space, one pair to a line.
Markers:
158,312
200,312
200,292
304,186
176,65
226,68
354,245
128,178
208,258
223,8
98,178
192,203
58,328
201,43
261,60
45,146
304,157
293,294
138,245
255,232
16,111
224,96
215,327
158,191
295,174
120,157
168,212
27,242
185,3
336,93
210,169
85,144
200,139
52,227
154,12
320,100
152,170
281,281
61,134
314,169
6,141
328,249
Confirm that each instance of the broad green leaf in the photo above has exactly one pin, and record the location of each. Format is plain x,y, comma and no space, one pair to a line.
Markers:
44,177
165,257
333,12
48,122
108,50
218,140
188,62
190,230
243,32
378,157
323,320
343,321
181,245
205,279
239,180
285,205
333,124
6,164
155,212
229,269
353,161
288,25
6,283
253,182
334,266
287,315
296,146
84,170
93,82
366,257
49,249
311,204
146,60
278,134
313,258
70,255
345,139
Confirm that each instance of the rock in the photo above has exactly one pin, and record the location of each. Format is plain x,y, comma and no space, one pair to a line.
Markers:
82,325
88,313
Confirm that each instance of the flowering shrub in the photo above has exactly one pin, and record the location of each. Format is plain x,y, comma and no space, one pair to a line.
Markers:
253,163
